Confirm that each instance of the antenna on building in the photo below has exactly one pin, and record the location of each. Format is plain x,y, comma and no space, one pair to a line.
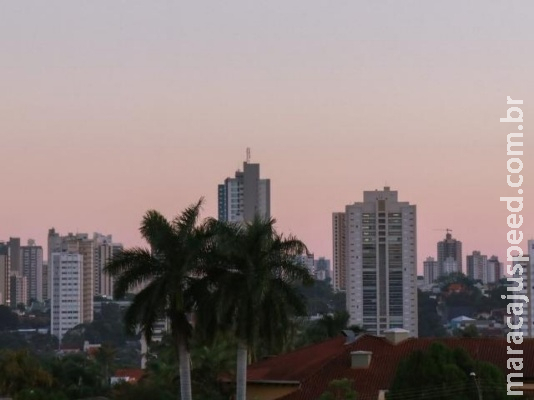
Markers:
248,155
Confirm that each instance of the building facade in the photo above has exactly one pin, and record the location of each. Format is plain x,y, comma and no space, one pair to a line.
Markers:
82,245
430,270
105,250
4,275
449,248
381,260
66,287
32,269
339,270
246,195
494,269
477,267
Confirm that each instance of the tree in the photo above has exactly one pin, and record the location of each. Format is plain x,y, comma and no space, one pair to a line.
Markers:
167,272
428,319
105,356
19,370
8,319
441,373
254,275
339,389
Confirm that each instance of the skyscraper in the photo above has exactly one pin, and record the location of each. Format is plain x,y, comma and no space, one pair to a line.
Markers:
495,269
322,269
32,269
66,287
4,275
76,244
381,262
14,256
339,271
452,248
477,267
105,249
246,195
430,270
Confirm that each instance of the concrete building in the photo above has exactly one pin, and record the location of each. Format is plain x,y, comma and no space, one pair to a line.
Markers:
77,244
449,248
4,275
381,260
246,195
14,256
494,269
18,291
66,287
477,267
430,270
32,269
322,269
104,249
339,270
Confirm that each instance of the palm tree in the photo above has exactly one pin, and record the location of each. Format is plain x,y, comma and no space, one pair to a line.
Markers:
255,273
166,272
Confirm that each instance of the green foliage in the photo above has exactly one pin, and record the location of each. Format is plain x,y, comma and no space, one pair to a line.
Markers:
321,298
429,321
8,319
340,389
441,373
19,370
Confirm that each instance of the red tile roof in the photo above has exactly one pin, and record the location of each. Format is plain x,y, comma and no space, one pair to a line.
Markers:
316,365
133,374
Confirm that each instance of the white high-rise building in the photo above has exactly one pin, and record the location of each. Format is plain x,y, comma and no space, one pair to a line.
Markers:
381,259
246,195
477,267
66,290
449,266
104,249
430,270
77,244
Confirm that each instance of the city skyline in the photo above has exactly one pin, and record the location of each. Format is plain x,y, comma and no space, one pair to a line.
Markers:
146,109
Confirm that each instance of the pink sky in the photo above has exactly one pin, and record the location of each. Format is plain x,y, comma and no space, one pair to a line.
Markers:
108,111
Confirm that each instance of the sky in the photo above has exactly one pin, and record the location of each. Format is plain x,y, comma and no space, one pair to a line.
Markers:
111,108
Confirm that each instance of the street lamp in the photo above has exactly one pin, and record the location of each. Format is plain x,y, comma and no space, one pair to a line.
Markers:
477,385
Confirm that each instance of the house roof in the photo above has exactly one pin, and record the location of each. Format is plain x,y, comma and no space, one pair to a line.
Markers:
316,365
133,374
462,318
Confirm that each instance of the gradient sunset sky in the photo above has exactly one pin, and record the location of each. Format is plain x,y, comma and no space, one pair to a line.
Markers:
111,108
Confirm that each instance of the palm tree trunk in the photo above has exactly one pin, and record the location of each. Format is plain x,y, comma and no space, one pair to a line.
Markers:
241,373
185,371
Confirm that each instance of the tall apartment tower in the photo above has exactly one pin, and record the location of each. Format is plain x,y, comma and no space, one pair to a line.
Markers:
495,269
66,287
339,271
4,275
76,244
32,269
430,270
14,256
477,267
449,250
18,291
246,195
381,261
105,250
